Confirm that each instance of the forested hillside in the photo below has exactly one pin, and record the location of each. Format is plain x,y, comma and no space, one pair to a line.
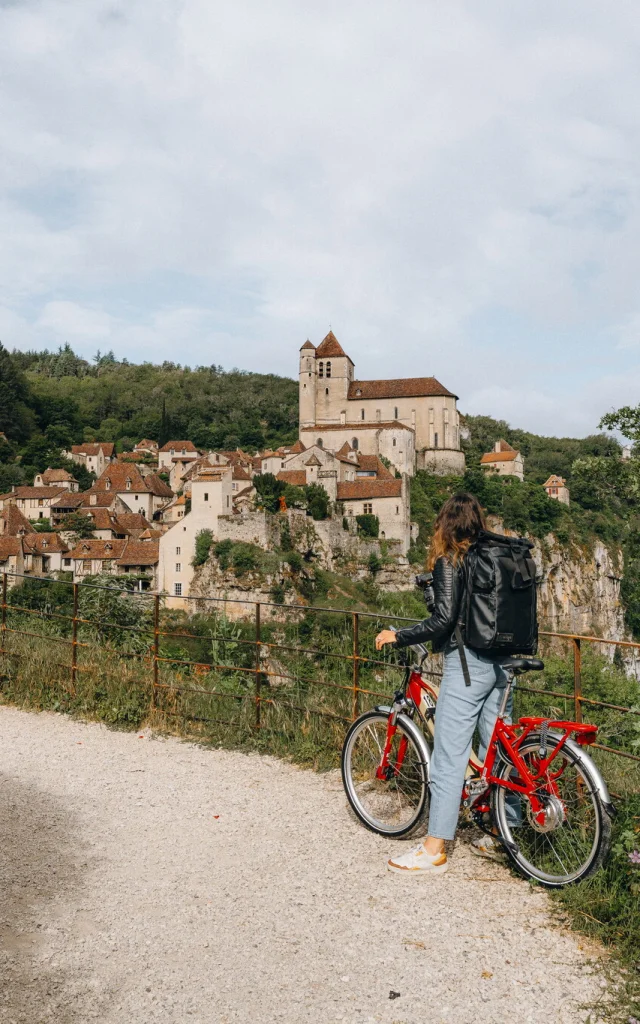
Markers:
108,400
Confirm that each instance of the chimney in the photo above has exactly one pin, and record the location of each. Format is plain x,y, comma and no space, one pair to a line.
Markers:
496,446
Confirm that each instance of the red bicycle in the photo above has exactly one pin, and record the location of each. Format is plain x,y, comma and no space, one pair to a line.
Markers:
538,790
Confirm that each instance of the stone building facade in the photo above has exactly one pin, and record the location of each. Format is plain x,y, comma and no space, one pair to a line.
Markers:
413,422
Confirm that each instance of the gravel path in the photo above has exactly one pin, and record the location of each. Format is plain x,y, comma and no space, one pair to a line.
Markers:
148,879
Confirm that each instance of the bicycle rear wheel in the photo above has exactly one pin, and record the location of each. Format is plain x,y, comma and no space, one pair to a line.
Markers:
574,837
391,807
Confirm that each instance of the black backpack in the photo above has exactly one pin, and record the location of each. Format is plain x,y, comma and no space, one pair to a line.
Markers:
499,604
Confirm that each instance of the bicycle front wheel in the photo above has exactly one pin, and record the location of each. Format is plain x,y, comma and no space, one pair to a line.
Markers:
573,838
393,806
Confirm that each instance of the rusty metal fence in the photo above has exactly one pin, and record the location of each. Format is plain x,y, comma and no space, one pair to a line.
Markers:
167,673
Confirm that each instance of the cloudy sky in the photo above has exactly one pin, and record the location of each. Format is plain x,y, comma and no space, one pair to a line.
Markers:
454,187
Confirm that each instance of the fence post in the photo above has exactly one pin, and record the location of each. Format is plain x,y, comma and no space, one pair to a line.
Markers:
577,678
74,639
258,685
355,711
4,614
156,647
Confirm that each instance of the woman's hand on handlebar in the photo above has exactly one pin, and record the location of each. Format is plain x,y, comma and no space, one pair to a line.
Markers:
386,636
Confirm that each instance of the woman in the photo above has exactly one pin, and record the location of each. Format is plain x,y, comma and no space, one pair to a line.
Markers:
460,708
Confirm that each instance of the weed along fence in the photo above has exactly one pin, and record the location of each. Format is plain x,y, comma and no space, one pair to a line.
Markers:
283,678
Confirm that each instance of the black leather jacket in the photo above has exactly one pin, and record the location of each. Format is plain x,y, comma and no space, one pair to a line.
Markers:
448,586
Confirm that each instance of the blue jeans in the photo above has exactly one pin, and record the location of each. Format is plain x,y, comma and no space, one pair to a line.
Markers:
459,710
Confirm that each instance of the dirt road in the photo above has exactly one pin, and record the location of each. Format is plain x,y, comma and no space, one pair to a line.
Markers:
147,879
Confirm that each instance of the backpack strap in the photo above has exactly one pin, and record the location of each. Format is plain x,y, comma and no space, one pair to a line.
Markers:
463,654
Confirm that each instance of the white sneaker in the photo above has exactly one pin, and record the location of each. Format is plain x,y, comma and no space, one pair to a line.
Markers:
487,847
419,862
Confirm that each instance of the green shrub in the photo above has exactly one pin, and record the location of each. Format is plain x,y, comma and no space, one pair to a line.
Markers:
317,501
293,560
368,525
244,558
374,563
222,551
204,540
345,523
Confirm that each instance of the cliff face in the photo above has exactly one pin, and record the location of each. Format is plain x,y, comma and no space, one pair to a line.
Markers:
579,590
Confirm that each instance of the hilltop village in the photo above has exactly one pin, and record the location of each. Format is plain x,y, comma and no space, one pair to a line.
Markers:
359,443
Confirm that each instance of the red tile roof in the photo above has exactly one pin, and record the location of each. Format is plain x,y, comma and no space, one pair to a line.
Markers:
239,473
369,487
330,348
102,499
408,387
98,549
295,477
57,476
187,445
93,449
44,543
13,520
157,486
371,464
555,481
295,449
131,521
140,552
10,546
491,457
69,500
307,344
36,492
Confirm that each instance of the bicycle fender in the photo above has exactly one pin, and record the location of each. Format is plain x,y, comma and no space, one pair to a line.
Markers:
582,756
415,733
601,786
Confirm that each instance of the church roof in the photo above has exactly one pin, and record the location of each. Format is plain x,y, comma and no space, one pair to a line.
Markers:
307,344
408,387
330,347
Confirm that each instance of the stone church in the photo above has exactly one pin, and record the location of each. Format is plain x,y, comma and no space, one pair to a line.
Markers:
412,422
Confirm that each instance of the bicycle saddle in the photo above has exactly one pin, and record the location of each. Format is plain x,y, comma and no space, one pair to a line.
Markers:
518,665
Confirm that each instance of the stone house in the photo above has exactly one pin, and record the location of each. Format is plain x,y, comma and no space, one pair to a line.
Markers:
12,558
33,502
504,461
556,488
147,447
384,497
412,422
176,450
95,456
114,557
44,553
144,494
211,497
56,478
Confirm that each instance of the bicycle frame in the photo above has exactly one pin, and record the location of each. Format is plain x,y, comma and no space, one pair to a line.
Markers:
535,781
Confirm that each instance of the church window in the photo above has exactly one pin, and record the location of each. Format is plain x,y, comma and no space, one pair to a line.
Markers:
206,496
326,391
319,442
394,442
362,414
378,415
395,412
328,373
321,369
354,443
435,440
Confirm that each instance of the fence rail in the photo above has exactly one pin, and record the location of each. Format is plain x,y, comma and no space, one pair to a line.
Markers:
264,646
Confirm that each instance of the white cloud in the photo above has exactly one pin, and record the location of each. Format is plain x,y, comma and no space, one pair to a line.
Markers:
214,182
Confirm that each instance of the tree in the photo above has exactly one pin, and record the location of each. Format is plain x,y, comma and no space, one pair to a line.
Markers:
317,501
78,523
269,489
